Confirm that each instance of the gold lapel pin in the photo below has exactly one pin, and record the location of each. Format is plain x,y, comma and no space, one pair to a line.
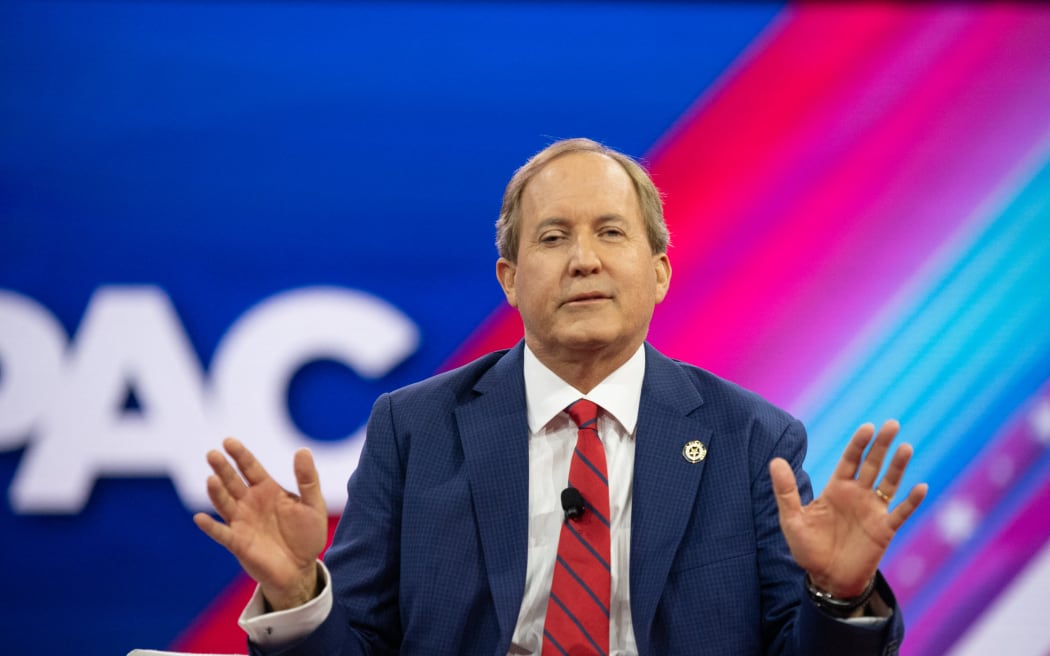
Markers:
694,451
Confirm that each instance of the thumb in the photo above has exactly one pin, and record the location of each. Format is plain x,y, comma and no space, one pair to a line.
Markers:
785,488
307,479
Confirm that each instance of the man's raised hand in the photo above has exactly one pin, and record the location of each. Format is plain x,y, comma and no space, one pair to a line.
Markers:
274,534
840,537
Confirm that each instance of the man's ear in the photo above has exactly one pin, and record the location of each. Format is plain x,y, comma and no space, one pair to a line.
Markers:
505,273
662,266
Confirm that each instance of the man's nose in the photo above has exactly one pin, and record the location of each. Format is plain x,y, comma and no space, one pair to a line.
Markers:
586,258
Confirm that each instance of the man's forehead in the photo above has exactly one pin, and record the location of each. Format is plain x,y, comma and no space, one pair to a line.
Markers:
581,177
575,162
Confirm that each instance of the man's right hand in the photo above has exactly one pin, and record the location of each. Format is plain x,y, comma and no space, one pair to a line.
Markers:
274,534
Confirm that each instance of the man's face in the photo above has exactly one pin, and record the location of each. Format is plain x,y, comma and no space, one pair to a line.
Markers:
586,278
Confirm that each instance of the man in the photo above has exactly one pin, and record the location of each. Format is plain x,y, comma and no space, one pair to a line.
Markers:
453,540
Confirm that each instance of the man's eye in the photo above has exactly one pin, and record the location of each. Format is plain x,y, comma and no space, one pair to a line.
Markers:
612,232
550,238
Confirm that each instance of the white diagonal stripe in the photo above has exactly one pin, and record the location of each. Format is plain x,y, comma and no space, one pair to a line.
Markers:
1016,623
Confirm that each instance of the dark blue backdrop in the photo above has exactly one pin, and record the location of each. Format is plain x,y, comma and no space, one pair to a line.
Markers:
228,151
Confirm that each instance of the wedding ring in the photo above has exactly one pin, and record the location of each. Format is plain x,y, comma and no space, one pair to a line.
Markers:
882,495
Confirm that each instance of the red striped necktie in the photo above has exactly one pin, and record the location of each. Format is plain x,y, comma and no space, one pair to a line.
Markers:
578,611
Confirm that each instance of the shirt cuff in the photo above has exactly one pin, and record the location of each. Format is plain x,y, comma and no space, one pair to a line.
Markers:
286,626
873,622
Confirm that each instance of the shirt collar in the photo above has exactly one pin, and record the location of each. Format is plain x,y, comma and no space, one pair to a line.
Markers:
619,394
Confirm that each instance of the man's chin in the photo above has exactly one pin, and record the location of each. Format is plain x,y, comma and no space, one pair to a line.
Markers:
591,340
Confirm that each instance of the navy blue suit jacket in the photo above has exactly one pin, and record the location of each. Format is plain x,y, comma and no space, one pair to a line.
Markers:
430,553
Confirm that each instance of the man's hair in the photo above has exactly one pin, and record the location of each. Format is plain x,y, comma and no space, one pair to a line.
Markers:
508,226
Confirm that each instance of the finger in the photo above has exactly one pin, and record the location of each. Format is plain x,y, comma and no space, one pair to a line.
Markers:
892,480
307,479
872,465
850,461
252,469
217,531
226,473
224,504
785,488
902,512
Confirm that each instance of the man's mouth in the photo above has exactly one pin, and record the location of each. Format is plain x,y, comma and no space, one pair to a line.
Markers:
581,299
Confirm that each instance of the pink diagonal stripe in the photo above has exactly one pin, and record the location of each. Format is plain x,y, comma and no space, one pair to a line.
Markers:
778,303
708,166
986,572
985,483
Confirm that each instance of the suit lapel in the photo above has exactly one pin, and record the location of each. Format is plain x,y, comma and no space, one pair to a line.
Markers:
665,483
494,431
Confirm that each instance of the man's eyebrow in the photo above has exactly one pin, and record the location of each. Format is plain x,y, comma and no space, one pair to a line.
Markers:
561,221
552,221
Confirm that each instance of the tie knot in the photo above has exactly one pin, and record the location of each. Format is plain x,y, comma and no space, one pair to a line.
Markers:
583,412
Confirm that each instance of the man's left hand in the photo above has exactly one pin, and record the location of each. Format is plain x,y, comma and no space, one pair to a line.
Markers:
840,537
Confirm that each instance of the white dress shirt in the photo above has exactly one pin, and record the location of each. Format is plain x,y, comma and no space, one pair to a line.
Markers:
552,439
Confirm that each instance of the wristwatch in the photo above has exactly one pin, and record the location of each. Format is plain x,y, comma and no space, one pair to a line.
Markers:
838,607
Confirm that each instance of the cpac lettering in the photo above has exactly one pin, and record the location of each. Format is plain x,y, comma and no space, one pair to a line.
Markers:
65,402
